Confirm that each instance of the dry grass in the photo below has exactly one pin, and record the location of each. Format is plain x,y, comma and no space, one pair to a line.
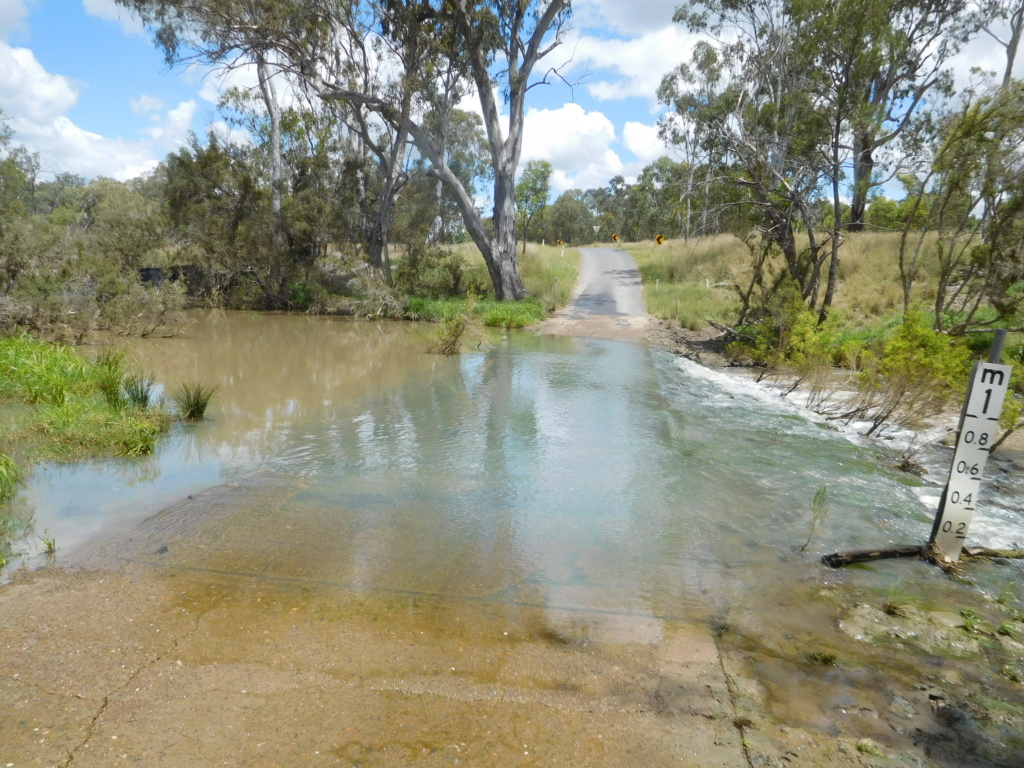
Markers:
548,274
693,280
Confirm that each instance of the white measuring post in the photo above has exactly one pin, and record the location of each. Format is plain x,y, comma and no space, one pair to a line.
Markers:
979,425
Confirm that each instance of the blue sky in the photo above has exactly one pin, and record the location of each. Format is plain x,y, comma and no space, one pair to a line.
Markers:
83,84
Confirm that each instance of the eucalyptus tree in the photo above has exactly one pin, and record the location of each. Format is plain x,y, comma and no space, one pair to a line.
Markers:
751,106
967,214
532,192
497,45
227,34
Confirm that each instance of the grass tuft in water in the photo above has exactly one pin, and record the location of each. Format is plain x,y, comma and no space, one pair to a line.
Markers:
138,390
10,476
448,340
868,747
898,598
49,543
973,623
819,511
192,398
1009,629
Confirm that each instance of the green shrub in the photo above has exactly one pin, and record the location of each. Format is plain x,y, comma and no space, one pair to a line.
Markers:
429,271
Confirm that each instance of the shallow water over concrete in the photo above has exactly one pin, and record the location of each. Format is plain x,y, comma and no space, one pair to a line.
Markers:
578,495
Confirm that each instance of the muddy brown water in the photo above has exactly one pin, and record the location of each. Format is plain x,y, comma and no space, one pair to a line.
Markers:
550,551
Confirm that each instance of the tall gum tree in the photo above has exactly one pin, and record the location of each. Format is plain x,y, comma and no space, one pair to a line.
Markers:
497,44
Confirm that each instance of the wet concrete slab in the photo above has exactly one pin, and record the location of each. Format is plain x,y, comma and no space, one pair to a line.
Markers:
161,666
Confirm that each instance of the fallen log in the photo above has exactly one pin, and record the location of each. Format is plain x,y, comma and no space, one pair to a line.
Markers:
839,559
925,551
1007,554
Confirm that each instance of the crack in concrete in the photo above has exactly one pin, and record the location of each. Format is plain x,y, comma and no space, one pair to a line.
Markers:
105,703
737,722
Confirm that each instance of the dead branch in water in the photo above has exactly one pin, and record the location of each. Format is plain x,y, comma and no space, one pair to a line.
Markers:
928,552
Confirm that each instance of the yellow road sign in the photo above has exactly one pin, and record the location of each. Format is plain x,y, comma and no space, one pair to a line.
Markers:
660,239
615,238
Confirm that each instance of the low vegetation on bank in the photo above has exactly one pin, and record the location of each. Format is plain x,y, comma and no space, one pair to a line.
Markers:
549,274
58,405
899,365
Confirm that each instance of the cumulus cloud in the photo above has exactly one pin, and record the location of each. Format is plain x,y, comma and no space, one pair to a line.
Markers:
634,67
576,143
111,11
28,91
12,17
642,140
619,18
37,102
230,134
170,129
66,147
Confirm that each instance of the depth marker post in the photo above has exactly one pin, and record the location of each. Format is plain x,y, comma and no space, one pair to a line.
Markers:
979,424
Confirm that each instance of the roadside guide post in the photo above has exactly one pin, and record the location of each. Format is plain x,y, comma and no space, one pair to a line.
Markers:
979,424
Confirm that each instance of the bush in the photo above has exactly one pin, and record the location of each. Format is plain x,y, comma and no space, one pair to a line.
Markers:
429,271
915,374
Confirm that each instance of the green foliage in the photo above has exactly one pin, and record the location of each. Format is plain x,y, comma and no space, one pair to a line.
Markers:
501,314
192,398
49,543
532,191
448,340
138,390
10,476
430,271
81,407
973,624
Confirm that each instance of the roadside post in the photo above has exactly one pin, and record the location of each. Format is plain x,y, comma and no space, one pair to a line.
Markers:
979,425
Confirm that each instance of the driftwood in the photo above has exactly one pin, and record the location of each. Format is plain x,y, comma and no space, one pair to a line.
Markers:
927,552
839,559
1007,554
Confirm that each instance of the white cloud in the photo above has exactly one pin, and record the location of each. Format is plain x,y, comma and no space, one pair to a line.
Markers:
231,135
636,66
987,54
12,17
642,140
146,104
66,147
576,143
37,102
30,92
171,129
621,18
111,11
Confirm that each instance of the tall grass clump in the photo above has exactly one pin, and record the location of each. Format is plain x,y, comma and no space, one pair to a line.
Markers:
691,281
549,276
138,390
80,408
10,476
192,398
